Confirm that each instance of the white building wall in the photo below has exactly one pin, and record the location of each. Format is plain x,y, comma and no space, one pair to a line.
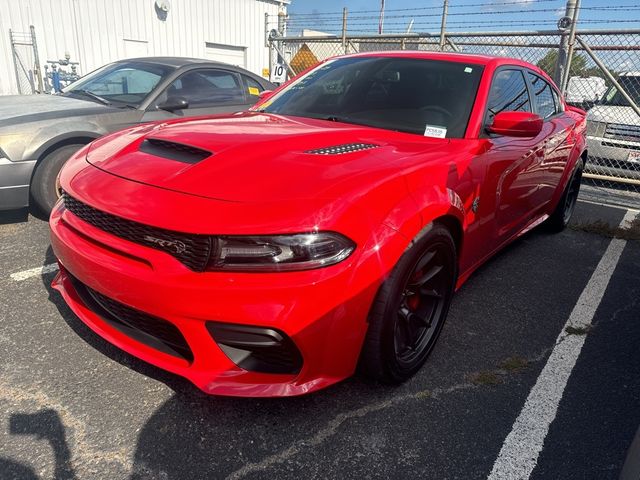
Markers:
95,32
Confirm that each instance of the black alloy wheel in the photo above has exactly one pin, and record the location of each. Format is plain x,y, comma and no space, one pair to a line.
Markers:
410,308
421,304
561,216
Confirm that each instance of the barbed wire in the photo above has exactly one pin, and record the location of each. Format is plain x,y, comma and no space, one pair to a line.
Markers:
358,22
453,7
434,7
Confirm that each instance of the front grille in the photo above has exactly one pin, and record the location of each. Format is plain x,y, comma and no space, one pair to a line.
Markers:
627,133
620,145
174,151
190,249
342,149
146,329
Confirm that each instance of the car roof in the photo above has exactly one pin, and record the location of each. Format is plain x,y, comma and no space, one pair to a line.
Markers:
176,61
486,60
457,57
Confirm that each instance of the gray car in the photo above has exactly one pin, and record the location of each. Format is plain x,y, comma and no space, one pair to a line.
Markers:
38,133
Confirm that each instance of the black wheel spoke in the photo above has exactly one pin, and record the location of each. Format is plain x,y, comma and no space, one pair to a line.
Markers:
405,314
403,333
431,292
426,276
424,261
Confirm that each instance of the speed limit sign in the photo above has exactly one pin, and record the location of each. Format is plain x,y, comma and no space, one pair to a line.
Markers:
278,74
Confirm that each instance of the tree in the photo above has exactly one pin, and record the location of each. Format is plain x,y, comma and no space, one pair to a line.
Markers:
578,64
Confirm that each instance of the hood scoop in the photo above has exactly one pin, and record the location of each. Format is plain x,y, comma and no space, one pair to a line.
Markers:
341,149
174,151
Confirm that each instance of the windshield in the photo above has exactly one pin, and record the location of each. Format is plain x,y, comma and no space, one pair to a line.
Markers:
119,84
631,85
425,97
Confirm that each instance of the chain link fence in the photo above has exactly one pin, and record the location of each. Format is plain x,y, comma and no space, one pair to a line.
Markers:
603,79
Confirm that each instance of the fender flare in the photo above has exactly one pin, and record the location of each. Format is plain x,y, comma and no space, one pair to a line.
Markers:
577,152
412,218
63,139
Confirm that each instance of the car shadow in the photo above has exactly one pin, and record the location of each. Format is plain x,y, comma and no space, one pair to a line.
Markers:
8,217
44,425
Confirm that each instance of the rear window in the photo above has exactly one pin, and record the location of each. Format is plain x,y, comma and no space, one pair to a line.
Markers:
420,96
544,98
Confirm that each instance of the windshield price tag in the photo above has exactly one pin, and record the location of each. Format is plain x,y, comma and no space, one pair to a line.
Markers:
435,131
278,74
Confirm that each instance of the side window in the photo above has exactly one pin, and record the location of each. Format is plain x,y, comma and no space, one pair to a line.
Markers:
543,94
508,93
252,88
207,87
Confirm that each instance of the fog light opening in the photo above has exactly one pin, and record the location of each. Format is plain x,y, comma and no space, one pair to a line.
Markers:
257,349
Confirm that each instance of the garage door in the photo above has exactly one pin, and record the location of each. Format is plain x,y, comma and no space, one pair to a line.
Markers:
135,48
226,53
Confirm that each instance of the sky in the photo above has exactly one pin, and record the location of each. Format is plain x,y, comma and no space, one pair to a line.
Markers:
464,15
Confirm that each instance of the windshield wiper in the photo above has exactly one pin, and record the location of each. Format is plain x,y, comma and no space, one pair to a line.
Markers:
91,95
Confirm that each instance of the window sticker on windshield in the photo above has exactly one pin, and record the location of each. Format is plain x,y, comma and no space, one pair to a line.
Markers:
468,69
435,131
254,91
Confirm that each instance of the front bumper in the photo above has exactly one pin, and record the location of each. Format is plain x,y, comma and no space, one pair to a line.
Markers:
611,157
15,178
323,311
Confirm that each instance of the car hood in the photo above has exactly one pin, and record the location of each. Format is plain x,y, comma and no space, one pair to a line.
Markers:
613,114
19,109
258,157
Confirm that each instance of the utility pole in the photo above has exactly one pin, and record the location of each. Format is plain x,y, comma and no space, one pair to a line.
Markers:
381,22
443,26
282,31
572,44
344,30
568,21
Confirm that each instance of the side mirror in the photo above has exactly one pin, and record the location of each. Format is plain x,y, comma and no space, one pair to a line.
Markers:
516,124
263,95
172,104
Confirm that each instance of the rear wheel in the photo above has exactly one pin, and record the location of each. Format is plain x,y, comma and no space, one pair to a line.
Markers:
44,189
561,216
410,308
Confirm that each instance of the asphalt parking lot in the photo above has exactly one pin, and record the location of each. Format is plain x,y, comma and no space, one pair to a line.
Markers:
72,406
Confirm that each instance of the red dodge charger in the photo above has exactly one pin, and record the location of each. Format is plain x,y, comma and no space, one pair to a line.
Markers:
273,252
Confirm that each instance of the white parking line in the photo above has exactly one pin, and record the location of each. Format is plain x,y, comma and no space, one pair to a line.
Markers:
619,207
520,450
34,272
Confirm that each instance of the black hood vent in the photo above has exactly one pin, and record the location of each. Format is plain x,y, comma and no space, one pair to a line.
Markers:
341,149
174,151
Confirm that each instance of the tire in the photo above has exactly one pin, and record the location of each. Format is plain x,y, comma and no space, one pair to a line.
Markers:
407,315
561,216
43,184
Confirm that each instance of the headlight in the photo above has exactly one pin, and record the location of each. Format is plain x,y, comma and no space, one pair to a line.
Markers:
595,129
276,253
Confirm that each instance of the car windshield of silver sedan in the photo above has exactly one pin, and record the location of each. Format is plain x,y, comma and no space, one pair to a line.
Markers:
119,84
426,97
631,84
